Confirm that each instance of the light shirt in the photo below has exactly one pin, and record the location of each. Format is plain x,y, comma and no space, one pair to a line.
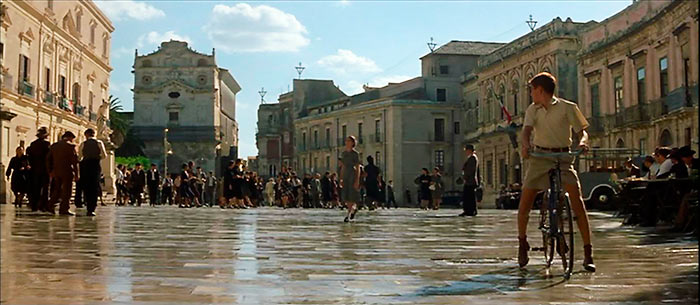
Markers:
552,127
653,170
665,167
103,151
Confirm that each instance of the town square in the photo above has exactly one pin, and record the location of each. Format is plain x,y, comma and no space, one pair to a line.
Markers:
349,152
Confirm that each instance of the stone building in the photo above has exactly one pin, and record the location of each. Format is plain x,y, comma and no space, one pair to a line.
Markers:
185,92
54,70
638,77
404,126
501,78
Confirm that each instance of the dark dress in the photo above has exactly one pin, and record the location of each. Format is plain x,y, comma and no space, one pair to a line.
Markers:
185,190
20,174
372,182
423,182
228,183
237,183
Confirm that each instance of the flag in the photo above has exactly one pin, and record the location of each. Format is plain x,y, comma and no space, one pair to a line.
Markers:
503,108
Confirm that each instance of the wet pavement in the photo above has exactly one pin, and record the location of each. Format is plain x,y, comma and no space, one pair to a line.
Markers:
167,255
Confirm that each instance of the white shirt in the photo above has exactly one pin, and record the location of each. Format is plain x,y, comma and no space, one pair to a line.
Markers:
665,167
654,170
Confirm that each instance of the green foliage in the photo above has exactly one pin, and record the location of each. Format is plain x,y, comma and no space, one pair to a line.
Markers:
117,121
131,161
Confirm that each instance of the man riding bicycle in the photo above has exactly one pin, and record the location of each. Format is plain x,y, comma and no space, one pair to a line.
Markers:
552,119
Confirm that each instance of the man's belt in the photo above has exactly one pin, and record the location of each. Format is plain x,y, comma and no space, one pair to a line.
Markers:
555,149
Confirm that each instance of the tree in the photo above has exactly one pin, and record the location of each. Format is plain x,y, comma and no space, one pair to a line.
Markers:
117,122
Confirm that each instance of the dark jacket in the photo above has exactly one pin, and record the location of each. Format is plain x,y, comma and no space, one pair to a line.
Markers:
138,179
470,171
37,152
153,178
62,160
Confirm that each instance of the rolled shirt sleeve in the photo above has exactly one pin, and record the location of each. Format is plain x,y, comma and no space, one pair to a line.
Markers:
576,118
530,116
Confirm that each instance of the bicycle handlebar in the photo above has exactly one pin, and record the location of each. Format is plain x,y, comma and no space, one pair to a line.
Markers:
575,153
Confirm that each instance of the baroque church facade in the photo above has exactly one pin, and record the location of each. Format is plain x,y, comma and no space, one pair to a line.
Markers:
185,108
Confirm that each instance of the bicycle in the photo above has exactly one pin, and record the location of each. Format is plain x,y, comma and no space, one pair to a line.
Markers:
556,218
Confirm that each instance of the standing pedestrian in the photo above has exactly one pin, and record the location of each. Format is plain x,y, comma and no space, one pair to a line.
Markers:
471,181
316,191
167,190
91,152
200,183
423,182
152,182
138,183
62,164
18,169
372,183
350,177
335,191
210,191
390,193
436,188
37,154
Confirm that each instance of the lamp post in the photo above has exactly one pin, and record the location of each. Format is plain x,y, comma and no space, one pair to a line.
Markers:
300,69
166,151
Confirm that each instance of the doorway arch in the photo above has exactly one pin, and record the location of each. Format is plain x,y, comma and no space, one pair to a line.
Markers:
665,139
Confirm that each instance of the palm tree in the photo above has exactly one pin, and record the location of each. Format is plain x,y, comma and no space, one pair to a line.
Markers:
117,121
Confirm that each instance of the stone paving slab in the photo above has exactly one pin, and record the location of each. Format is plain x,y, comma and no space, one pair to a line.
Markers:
166,255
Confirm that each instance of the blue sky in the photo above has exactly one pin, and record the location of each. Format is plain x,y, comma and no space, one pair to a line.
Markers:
351,42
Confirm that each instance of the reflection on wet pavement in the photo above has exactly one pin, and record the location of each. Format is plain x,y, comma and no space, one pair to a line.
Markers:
167,255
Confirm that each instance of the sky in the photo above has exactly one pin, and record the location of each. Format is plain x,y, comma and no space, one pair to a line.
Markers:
350,42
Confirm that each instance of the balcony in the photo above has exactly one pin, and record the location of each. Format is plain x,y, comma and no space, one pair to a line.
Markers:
635,115
64,104
93,116
596,125
616,120
376,138
26,88
49,98
79,110
676,100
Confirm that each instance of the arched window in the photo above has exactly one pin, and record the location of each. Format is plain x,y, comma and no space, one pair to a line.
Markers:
666,139
620,143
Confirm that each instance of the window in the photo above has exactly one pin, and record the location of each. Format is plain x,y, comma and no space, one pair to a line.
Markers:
439,129
515,98
444,69
174,116
316,140
489,172
377,131
641,87
328,162
618,94
92,34
359,132
62,86
456,127
377,158
303,140
441,95
315,168
476,110
440,158
595,101
24,67
502,176
345,134
47,83
328,136
663,75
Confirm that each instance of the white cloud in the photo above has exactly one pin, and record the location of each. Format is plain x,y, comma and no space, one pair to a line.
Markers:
345,61
156,38
262,28
355,87
129,9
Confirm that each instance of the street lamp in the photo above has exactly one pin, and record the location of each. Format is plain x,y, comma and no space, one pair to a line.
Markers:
166,151
300,69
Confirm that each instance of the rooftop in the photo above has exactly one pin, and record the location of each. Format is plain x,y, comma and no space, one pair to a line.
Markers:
459,47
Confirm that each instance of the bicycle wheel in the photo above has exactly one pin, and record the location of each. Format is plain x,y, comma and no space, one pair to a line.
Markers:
548,241
567,236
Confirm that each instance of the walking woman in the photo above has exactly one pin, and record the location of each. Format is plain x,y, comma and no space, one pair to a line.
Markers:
436,188
19,170
423,182
350,177
186,194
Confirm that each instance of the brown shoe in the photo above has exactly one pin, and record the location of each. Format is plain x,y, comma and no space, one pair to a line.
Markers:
588,258
523,258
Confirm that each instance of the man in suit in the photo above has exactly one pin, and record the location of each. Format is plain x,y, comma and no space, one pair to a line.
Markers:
152,181
91,152
210,190
138,182
37,154
470,172
62,164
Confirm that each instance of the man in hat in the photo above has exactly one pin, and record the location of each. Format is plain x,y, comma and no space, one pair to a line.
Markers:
36,153
470,172
91,151
687,155
62,164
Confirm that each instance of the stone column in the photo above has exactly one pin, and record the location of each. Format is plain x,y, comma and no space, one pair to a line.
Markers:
5,117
